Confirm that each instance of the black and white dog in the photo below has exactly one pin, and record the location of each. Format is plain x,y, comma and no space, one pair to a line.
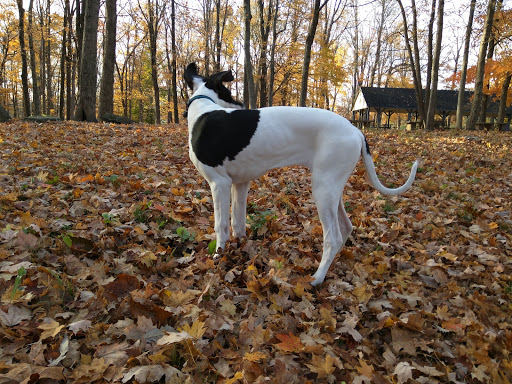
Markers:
230,146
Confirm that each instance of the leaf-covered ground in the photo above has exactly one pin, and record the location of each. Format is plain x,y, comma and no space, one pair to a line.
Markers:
106,274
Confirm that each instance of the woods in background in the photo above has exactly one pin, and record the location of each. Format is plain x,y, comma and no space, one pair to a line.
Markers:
82,59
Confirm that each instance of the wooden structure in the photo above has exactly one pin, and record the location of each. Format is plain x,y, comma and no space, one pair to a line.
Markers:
403,100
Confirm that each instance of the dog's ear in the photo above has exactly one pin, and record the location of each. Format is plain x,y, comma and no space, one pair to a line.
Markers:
223,77
189,75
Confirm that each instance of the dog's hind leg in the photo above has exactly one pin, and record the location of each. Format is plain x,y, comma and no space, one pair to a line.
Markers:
344,222
221,197
239,208
329,176
327,201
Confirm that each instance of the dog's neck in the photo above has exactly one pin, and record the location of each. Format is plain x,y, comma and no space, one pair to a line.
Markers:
194,98
197,97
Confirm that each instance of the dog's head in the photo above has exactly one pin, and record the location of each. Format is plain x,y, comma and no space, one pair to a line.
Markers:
212,86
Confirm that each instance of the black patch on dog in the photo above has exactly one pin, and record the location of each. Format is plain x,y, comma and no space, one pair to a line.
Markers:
219,135
367,147
214,82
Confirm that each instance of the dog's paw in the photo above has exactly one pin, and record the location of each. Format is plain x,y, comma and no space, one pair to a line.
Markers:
316,282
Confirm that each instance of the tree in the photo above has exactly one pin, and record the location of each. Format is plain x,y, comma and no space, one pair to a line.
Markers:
307,54
63,60
24,66
432,103
480,70
153,16
86,106
272,69
414,56
248,74
33,70
462,86
106,102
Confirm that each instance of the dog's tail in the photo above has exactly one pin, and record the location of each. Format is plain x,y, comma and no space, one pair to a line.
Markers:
374,179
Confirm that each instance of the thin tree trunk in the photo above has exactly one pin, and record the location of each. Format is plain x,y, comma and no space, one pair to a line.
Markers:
464,70
173,63
307,54
503,100
63,66
24,66
414,57
69,55
262,66
86,106
432,103
480,69
217,36
35,86
429,55
251,90
109,60
271,77
47,58
490,53
379,43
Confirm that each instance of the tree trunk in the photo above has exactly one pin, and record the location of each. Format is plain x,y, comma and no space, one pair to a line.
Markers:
503,100
24,66
86,106
429,55
432,103
249,78
153,21
217,36
70,86
173,63
490,53
307,54
379,43
109,60
63,65
35,85
480,69
463,74
47,59
271,77
414,57
262,66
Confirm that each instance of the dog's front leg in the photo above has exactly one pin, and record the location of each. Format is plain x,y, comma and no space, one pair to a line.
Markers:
221,196
239,208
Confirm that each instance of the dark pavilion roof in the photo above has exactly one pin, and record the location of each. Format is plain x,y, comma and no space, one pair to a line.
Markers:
403,100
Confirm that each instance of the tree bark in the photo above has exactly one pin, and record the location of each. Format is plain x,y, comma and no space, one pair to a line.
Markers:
173,63
307,54
414,57
35,86
432,103
262,66
62,93
464,70
249,77
480,69
109,60
379,42
24,66
503,100
272,69
86,106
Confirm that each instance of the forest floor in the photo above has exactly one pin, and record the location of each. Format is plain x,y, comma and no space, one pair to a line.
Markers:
106,274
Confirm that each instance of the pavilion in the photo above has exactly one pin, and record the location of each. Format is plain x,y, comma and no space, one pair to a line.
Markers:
403,100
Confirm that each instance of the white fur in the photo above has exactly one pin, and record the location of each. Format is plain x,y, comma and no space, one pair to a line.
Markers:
321,140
